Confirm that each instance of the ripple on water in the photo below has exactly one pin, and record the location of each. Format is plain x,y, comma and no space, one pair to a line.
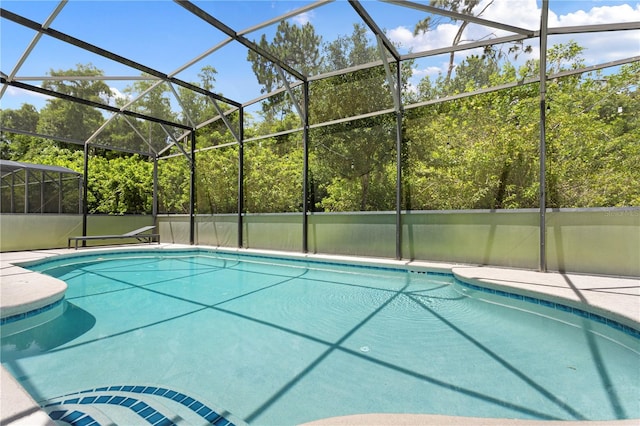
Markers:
323,309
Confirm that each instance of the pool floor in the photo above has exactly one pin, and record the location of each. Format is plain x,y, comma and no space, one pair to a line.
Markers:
286,344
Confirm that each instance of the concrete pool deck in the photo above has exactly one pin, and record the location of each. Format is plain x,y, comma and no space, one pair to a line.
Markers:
617,298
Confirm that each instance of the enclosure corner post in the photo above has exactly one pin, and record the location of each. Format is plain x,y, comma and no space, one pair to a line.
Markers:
85,190
543,123
399,139
192,192
305,170
154,207
240,177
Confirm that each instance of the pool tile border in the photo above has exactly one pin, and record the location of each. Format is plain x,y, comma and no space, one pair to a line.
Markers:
31,314
633,332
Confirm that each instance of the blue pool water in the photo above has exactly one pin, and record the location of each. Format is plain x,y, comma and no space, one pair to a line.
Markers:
279,342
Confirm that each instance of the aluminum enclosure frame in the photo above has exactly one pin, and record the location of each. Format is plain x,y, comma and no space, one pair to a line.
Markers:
388,54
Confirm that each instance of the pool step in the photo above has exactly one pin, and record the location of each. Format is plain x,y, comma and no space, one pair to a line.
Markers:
118,405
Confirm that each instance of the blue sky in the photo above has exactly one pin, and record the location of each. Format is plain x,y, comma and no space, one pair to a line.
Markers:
165,36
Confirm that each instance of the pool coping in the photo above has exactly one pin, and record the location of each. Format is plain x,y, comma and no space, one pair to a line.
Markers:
617,298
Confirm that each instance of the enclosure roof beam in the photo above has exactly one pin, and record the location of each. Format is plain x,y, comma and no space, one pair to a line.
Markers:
393,86
239,38
176,144
284,17
409,56
137,132
466,46
106,54
128,150
184,110
98,105
32,45
375,28
596,28
86,78
216,118
596,67
287,86
225,120
100,129
268,95
461,17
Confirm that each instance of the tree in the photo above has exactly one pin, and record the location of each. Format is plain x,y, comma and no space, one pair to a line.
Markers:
476,152
461,6
466,7
120,185
296,46
217,180
482,151
197,106
273,176
70,119
351,159
15,146
593,157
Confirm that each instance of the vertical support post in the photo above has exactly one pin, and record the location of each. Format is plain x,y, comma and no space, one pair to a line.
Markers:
154,207
26,190
240,177
13,192
399,137
85,190
543,123
80,190
42,179
305,169
60,193
192,190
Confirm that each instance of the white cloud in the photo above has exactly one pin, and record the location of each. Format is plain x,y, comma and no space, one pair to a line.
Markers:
606,47
598,15
14,98
117,94
439,37
518,13
17,92
303,18
599,48
431,71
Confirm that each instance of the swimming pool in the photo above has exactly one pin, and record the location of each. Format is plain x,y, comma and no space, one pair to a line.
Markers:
276,341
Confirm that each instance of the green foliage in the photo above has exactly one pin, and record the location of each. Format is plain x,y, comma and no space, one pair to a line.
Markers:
297,47
471,157
16,146
174,177
482,151
217,180
594,145
120,185
69,119
273,176
478,152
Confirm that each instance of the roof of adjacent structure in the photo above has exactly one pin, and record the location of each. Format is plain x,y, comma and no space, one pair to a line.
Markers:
7,166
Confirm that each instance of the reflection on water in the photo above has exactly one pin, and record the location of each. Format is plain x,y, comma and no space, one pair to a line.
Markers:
73,323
